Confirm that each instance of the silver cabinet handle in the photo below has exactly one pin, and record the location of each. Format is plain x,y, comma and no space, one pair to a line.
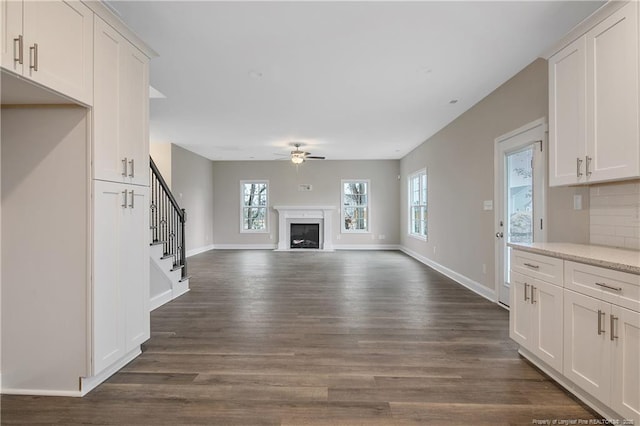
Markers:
124,205
526,286
34,57
530,265
132,197
587,164
124,167
19,57
578,164
131,174
612,324
600,315
533,301
609,287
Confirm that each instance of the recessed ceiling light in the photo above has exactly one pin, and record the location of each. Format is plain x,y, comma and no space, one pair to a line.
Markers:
255,74
453,101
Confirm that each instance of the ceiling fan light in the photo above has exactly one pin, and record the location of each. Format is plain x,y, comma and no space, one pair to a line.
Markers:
297,159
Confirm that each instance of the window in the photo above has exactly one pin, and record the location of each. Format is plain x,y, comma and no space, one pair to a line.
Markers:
254,205
418,204
355,205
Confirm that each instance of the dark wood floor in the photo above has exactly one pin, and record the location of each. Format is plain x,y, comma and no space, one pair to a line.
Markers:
370,338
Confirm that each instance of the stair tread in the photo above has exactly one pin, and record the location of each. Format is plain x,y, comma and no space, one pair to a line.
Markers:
156,243
184,278
177,268
167,256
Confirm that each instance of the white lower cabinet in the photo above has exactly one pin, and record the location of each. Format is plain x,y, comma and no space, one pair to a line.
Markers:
602,351
535,318
586,328
121,268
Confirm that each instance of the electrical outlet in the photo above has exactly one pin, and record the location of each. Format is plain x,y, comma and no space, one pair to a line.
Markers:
338,236
434,249
381,237
484,268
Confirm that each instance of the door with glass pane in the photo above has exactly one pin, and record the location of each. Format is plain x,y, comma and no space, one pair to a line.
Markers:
520,187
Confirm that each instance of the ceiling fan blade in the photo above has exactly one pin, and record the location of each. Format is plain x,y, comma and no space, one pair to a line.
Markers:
314,157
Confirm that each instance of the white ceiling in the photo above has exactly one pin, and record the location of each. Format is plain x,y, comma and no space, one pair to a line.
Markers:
351,80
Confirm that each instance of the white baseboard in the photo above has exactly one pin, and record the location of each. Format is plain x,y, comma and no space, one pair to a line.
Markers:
89,383
474,286
199,250
244,246
366,247
41,392
160,299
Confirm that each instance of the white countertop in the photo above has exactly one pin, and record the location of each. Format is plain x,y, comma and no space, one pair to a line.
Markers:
605,257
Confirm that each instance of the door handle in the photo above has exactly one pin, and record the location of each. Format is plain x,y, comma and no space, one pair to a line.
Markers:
124,205
19,58
132,173
600,315
499,234
612,324
124,167
587,164
526,286
34,57
578,164
132,196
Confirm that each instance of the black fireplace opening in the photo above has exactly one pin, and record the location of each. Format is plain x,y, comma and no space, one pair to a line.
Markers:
305,235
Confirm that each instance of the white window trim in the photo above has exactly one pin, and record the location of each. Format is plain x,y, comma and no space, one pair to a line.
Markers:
242,206
342,215
409,205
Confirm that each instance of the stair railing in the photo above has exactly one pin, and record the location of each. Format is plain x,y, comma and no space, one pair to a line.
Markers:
167,220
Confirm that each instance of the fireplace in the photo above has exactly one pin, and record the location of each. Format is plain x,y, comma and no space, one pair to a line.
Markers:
320,216
305,235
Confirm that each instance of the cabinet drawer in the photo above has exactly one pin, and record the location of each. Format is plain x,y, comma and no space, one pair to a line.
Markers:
544,268
616,287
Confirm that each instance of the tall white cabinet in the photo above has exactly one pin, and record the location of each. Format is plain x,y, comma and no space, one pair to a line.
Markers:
594,110
120,299
75,197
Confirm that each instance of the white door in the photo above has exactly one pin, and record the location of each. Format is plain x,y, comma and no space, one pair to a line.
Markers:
612,98
546,300
58,46
12,46
587,350
567,111
520,195
521,318
625,339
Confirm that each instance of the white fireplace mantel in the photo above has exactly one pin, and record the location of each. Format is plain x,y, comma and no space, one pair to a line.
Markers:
321,213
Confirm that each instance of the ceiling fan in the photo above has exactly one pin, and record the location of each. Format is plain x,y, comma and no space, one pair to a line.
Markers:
299,156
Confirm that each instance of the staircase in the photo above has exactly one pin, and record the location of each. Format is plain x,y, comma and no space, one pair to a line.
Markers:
168,261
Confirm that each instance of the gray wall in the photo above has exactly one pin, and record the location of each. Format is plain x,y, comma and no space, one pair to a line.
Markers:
459,162
192,185
325,177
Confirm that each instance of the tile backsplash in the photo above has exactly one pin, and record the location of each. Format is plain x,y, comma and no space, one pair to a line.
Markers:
615,214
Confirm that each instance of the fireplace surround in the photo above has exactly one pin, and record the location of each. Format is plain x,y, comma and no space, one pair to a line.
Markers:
320,215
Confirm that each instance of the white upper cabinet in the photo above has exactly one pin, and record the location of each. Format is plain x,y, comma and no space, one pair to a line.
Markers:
121,105
51,43
613,147
567,112
593,104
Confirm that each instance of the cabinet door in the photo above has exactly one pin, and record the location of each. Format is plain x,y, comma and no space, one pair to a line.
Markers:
547,323
121,109
612,98
625,392
134,261
108,156
587,354
567,125
134,119
108,313
11,31
63,34
520,315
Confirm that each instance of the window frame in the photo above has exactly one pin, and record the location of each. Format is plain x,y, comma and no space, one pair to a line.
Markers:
243,206
410,206
367,206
